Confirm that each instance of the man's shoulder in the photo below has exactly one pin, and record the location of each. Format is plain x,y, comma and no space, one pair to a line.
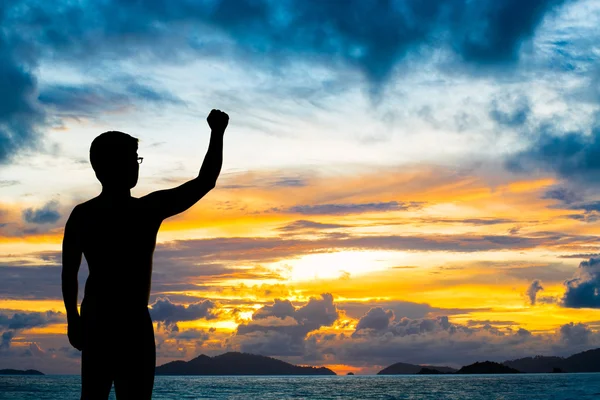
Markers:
85,207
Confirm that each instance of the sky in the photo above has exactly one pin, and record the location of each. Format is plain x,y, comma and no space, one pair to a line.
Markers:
403,181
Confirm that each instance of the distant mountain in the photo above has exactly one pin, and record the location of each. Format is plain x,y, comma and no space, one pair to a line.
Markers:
20,372
487,367
234,363
587,361
429,371
404,369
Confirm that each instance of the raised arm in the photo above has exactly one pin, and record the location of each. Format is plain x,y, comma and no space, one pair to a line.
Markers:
167,203
71,261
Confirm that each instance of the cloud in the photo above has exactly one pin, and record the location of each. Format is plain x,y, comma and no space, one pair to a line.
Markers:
198,335
577,334
583,290
8,183
370,37
168,313
48,214
281,328
344,209
280,309
6,339
302,224
563,194
573,155
533,289
515,116
468,221
376,318
27,320
19,114
290,182
441,342
19,321
93,99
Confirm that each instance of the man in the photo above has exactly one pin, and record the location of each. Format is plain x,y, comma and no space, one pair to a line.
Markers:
117,234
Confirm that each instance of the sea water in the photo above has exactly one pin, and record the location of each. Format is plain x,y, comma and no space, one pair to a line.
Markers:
389,387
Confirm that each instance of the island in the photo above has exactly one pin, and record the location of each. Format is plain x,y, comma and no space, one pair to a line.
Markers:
487,367
20,372
409,369
586,361
235,363
429,371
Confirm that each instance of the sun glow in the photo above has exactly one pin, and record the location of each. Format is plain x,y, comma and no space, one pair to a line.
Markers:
338,265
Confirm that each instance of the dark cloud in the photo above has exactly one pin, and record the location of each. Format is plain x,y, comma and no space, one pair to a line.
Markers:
376,318
281,328
48,214
581,255
13,322
515,116
290,182
280,309
583,290
400,308
91,100
578,334
30,282
469,221
308,225
523,332
571,155
6,339
350,208
533,289
19,115
27,320
563,194
588,217
168,313
369,36
494,31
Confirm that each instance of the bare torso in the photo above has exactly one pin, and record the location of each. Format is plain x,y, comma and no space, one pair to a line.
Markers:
118,241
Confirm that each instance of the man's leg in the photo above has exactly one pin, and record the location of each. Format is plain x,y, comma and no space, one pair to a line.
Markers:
97,372
96,376
134,378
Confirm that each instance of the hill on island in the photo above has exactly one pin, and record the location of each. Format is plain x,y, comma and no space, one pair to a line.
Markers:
234,363
587,361
429,371
406,369
487,367
20,372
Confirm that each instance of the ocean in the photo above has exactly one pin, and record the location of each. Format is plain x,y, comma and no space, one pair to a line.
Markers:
389,387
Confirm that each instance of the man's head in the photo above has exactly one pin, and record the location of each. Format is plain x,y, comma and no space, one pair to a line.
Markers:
113,155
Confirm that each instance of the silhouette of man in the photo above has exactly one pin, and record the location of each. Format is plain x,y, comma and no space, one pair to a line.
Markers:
117,234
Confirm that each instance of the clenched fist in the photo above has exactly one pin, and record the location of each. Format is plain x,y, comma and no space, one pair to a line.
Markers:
217,120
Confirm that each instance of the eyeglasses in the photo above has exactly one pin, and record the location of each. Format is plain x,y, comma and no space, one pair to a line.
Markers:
140,159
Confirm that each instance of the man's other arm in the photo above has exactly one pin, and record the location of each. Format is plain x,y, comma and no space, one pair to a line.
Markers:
174,201
71,261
